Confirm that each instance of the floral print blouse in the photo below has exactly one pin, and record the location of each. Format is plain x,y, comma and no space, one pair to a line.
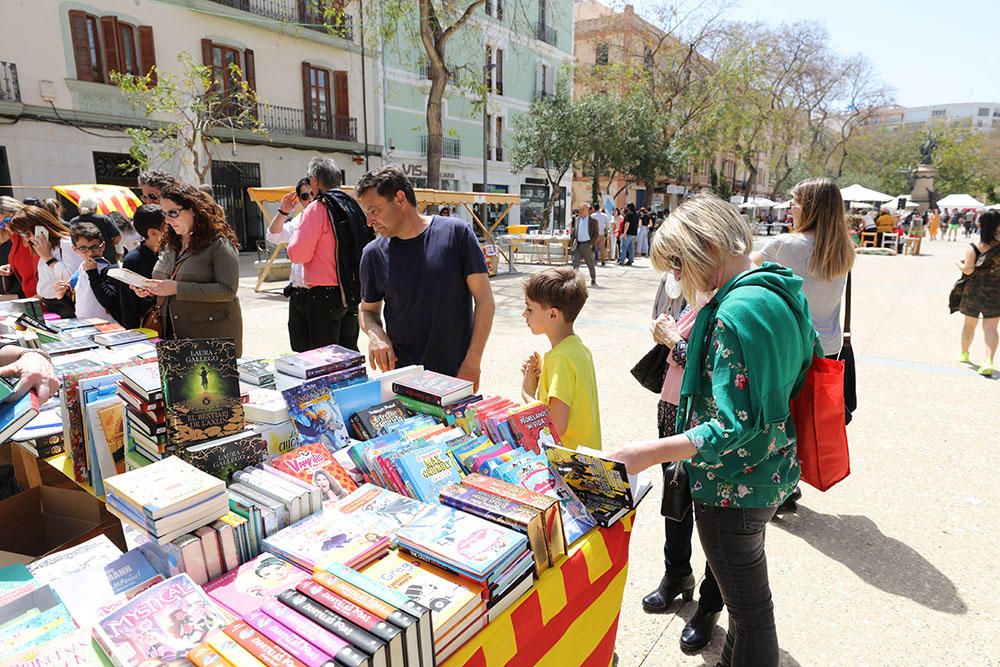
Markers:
739,463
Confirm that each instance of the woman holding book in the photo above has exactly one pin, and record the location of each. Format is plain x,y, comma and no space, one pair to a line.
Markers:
748,352
198,272
56,260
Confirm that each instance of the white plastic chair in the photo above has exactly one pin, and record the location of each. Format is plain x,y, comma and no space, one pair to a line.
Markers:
891,240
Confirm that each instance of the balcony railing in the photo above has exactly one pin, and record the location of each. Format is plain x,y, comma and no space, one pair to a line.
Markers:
545,33
309,14
451,147
289,121
10,91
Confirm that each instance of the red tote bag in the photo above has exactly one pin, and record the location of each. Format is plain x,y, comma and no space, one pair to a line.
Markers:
818,413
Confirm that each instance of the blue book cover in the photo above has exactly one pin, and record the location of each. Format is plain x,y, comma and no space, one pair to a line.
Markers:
316,414
31,620
427,469
356,397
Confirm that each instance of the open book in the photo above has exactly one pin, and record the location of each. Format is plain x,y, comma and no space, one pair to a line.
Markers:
128,276
604,486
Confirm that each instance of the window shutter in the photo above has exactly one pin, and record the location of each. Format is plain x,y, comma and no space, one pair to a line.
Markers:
109,28
499,86
249,73
81,45
341,104
206,58
147,52
539,79
307,96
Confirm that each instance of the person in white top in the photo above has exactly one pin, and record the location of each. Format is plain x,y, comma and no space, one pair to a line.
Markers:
56,259
282,226
603,223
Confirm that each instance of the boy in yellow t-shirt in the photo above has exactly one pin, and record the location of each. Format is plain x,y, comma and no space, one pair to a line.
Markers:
564,380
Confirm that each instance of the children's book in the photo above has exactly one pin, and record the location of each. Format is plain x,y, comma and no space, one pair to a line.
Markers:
15,581
321,361
604,486
144,380
449,597
433,388
316,465
279,438
201,388
255,582
532,427
316,415
469,543
15,415
221,457
425,470
326,537
265,406
381,509
73,649
91,594
164,487
160,625
373,422
32,620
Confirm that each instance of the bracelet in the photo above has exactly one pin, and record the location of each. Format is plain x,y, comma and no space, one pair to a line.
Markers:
283,213
50,261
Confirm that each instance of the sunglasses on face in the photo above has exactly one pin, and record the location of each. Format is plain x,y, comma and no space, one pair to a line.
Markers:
151,197
305,196
174,213
90,248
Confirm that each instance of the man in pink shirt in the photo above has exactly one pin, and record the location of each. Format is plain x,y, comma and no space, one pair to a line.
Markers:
328,243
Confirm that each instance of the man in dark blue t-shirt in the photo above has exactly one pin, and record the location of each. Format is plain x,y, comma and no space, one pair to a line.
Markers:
429,275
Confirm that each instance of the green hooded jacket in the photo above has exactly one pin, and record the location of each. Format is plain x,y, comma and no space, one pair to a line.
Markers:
748,354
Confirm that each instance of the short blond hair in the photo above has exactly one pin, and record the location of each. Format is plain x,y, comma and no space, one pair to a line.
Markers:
703,233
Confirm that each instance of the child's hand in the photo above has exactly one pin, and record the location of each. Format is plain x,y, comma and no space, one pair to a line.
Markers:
61,288
532,367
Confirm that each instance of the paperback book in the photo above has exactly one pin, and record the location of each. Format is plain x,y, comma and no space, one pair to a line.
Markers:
321,361
221,457
31,621
201,388
255,582
316,415
316,465
433,388
374,421
604,486
326,537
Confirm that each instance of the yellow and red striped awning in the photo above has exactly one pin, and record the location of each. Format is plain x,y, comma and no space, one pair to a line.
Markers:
110,197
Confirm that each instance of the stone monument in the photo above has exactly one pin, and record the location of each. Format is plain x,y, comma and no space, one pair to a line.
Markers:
922,176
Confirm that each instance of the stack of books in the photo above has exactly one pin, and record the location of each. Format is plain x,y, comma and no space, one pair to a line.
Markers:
322,361
315,412
145,424
266,414
257,372
484,552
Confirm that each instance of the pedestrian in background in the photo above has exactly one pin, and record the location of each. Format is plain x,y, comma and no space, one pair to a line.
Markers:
584,236
630,232
981,294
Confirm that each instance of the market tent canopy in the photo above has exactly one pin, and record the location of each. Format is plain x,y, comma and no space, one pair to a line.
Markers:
109,197
894,204
784,204
859,204
860,193
757,202
959,201
994,207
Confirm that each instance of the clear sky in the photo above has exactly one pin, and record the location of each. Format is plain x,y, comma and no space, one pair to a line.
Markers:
930,52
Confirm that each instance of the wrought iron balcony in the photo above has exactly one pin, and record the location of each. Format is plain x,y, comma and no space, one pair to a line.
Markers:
10,91
451,147
545,33
289,121
309,14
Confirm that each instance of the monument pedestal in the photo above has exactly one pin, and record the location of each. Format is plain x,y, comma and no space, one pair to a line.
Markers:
923,185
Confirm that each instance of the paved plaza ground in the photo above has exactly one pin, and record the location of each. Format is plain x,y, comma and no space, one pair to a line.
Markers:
898,564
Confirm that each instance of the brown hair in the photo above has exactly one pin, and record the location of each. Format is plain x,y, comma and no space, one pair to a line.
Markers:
209,219
52,206
823,212
560,287
29,217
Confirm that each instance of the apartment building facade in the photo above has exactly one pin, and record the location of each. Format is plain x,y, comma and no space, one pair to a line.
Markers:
62,120
977,115
515,48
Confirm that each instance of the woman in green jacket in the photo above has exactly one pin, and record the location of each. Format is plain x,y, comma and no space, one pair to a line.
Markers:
748,354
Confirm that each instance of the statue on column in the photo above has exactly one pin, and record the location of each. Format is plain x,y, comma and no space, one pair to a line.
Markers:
927,150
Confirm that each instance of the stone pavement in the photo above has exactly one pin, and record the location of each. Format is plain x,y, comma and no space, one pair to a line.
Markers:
897,564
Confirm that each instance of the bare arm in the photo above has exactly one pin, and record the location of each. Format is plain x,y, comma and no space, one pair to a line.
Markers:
968,264
757,258
638,456
380,352
559,414
482,323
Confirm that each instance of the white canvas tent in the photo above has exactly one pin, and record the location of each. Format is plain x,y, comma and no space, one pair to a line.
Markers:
959,201
757,202
894,204
784,204
860,193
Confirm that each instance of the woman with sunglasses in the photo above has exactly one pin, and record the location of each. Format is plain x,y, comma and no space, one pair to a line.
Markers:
56,262
17,265
198,272
282,226
151,183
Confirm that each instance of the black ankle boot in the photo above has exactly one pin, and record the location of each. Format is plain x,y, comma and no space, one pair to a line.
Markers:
698,632
790,504
659,600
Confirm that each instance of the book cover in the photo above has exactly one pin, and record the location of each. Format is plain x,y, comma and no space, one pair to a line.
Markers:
448,596
604,486
144,379
73,649
230,650
532,427
15,415
164,486
468,542
325,537
201,388
32,620
68,346
255,582
321,361
221,457
426,470
265,405
160,625
316,415
334,624
297,647
434,388
15,581
335,647
316,465
113,338
95,553
351,611
372,422
380,509
204,655
279,438
92,593
112,420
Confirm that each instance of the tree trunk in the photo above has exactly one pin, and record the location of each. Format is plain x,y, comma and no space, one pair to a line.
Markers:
549,206
439,81
751,182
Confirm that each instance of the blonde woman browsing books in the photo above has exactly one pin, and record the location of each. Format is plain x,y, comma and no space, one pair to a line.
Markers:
748,351
198,270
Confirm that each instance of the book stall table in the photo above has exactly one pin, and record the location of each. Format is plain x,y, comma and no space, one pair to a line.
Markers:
550,249
570,615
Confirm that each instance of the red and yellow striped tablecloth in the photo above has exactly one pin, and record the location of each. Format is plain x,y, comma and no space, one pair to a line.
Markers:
570,616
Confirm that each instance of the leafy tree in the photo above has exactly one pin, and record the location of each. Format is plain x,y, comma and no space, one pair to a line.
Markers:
187,110
552,136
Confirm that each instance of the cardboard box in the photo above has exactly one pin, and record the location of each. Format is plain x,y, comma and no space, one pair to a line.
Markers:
43,519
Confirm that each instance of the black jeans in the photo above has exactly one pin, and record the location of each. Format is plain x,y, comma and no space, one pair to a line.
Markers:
733,541
317,317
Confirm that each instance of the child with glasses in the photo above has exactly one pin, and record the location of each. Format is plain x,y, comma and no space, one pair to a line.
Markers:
96,294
